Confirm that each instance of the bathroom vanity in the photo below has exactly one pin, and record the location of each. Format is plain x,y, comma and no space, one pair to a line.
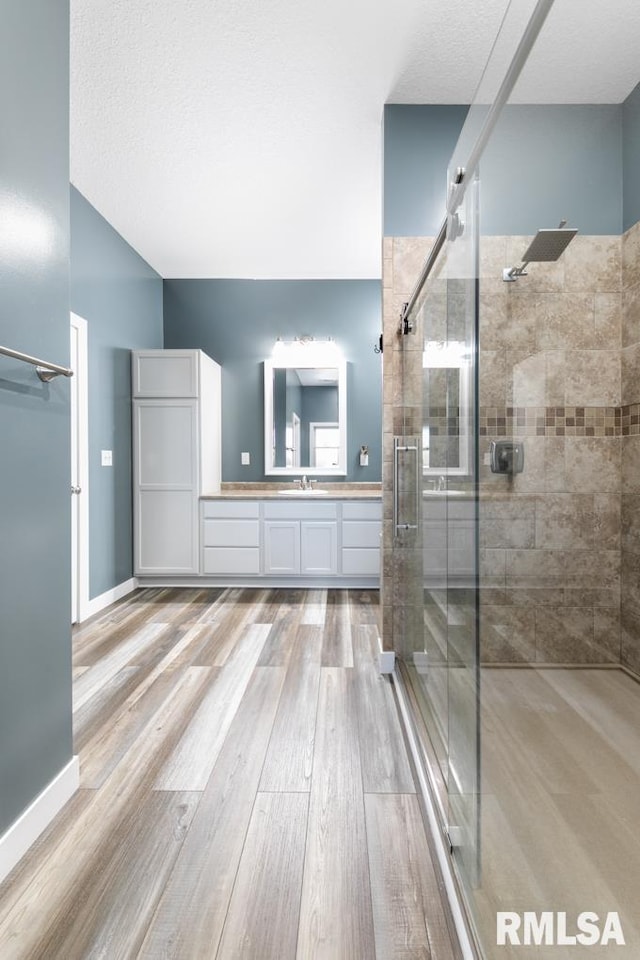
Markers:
187,530
287,540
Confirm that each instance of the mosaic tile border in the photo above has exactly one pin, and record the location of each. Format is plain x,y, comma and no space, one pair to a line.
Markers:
631,420
560,421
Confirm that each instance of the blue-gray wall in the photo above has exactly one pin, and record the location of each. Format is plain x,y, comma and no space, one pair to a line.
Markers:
543,163
120,297
237,322
418,143
631,158
35,517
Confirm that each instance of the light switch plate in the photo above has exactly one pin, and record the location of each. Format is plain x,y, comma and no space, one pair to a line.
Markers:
106,458
245,459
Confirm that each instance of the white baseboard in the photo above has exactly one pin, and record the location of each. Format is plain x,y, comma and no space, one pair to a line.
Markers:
386,659
108,597
38,815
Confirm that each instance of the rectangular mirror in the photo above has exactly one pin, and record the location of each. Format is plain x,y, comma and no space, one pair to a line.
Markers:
305,418
445,438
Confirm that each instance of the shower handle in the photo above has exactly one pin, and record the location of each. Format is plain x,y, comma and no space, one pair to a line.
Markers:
400,447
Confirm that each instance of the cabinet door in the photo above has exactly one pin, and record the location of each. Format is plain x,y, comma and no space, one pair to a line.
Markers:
319,547
165,373
282,546
165,468
166,532
165,444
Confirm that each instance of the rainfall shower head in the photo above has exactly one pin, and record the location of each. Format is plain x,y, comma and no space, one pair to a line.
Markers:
546,246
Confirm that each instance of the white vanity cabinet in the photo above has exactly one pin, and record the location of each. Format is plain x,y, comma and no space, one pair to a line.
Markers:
361,530
284,542
301,538
176,456
231,537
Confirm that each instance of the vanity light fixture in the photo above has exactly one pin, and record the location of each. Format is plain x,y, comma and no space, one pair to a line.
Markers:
306,350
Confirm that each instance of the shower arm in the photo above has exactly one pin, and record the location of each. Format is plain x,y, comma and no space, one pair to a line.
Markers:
512,273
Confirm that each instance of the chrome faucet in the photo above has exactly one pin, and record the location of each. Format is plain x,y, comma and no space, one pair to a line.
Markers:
304,483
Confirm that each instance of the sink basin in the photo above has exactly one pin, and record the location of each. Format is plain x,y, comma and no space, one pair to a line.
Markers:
296,492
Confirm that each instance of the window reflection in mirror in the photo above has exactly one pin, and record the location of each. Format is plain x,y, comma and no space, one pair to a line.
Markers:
445,433
305,418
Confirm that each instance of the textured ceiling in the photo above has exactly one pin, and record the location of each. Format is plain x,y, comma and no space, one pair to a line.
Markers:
239,138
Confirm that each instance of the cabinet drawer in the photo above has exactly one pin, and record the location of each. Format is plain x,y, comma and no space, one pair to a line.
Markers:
231,533
371,510
305,510
230,560
357,561
361,533
230,508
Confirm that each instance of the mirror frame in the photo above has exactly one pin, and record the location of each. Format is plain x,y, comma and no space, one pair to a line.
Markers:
432,361
269,468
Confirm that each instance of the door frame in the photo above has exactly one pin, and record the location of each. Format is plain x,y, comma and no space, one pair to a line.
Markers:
80,383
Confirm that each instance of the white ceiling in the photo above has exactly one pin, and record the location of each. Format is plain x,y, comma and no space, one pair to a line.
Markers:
242,138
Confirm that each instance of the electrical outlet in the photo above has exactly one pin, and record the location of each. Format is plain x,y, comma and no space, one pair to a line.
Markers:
106,458
245,459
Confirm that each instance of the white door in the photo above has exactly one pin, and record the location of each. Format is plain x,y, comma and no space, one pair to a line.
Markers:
79,469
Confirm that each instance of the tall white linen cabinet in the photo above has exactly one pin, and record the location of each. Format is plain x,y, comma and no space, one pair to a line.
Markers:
176,455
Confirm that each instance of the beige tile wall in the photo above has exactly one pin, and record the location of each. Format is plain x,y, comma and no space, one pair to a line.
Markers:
630,535
559,367
550,373
401,580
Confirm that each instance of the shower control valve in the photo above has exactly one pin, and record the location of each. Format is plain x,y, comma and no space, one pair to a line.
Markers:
507,456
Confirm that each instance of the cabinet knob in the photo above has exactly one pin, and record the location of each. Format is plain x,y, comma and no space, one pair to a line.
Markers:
76,489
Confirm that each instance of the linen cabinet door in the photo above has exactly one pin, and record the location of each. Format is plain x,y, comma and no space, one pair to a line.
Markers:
165,467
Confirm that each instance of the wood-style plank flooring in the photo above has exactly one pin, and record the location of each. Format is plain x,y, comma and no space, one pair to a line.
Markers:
246,792
560,802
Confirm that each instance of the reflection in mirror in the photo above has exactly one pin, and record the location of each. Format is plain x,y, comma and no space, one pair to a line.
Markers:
305,418
445,439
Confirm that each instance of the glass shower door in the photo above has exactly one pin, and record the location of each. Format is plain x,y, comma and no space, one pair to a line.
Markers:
461,520
438,621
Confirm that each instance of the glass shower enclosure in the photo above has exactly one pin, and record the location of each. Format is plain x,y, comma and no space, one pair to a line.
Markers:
511,541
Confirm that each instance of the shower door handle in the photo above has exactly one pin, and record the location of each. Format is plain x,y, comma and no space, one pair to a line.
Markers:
400,446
